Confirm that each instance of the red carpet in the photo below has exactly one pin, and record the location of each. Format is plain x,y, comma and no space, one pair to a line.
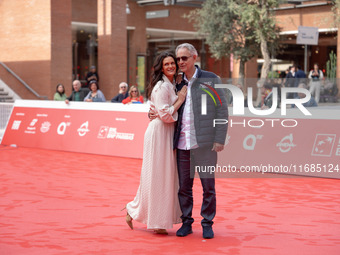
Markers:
55,202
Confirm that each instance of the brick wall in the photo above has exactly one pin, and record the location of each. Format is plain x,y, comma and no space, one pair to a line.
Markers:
112,43
61,46
25,43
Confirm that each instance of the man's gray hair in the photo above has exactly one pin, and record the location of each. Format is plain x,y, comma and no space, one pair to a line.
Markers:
189,47
76,82
123,83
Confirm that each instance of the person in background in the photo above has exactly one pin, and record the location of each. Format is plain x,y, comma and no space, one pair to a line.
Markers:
300,76
122,94
311,103
78,93
268,100
95,94
230,100
266,90
290,80
92,76
134,96
60,93
315,75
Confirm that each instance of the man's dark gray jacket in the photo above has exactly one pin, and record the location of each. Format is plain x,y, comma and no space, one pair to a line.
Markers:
206,133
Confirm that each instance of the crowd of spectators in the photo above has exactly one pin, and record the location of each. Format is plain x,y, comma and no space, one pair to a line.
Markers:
294,77
90,92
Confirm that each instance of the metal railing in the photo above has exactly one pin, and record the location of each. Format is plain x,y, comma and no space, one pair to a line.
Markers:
23,82
5,112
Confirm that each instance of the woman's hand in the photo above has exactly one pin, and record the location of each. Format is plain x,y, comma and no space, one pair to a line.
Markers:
179,78
182,94
152,112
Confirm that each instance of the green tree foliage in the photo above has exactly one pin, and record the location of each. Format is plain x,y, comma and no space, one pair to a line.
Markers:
243,28
331,67
335,9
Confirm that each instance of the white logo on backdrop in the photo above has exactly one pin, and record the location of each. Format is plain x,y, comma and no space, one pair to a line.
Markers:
337,152
227,140
249,141
62,127
16,124
103,131
323,145
45,127
84,128
112,133
286,143
33,122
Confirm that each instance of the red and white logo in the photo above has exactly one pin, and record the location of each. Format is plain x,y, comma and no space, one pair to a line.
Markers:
337,152
112,133
84,128
33,122
45,127
62,127
286,143
323,145
103,131
250,140
31,128
227,140
16,124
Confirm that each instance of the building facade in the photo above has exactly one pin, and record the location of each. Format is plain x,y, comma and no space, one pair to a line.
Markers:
46,42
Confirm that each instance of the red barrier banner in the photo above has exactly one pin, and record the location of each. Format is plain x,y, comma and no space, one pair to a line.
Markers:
99,128
291,144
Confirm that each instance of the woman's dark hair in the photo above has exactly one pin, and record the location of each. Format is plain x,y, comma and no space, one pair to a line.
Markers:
63,89
95,82
157,73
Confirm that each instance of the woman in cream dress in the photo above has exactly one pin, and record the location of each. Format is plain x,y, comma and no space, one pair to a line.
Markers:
156,202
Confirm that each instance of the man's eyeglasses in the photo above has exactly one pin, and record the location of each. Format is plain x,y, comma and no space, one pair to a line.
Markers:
184,58
124,87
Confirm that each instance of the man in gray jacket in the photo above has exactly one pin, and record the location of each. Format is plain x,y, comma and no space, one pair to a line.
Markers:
196,139
78,93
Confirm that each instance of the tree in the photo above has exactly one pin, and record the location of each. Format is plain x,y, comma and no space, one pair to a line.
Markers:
336,11
239,27
258,15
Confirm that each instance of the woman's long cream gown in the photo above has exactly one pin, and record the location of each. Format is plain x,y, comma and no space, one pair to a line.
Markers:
156,202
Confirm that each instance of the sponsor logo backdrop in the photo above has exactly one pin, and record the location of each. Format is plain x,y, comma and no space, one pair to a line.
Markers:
108,132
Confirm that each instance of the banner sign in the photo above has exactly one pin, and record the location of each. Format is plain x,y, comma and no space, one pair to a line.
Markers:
291,144
99,128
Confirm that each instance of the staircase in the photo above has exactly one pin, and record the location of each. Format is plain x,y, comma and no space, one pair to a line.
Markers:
11,83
